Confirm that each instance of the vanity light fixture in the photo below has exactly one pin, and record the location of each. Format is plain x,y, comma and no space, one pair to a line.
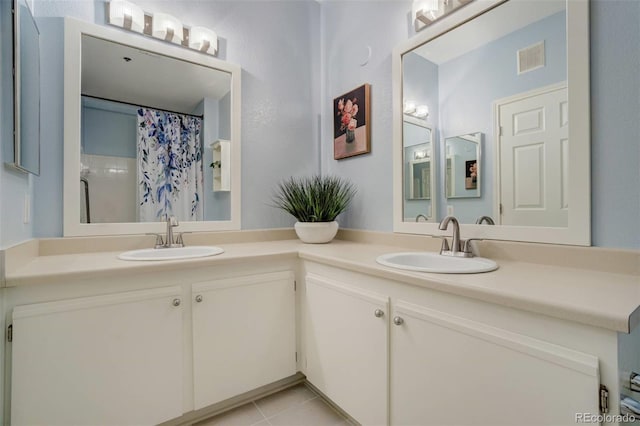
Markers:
417,111
424,12
409,107
166,27
422,111
161,25
126,15
421,155
203,39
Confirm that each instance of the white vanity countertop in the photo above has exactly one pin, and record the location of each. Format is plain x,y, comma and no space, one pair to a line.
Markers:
603,299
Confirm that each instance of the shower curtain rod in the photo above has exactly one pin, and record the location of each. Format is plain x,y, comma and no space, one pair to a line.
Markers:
144,106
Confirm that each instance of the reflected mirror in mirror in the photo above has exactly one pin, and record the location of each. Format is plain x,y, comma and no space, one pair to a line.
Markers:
462,159
418,169
504,75
26,89
148,137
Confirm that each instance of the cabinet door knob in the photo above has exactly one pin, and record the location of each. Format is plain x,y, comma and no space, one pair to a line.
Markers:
198,298
379,313
176,302
398,320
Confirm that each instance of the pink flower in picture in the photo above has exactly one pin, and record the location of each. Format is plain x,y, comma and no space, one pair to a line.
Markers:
347,112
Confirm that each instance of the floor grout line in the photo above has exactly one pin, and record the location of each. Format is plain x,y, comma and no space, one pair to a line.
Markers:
292,407
260,411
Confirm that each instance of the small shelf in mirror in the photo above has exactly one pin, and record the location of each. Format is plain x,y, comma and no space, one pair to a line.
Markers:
220,164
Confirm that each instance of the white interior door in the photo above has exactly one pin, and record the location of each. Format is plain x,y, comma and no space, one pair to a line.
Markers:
244,335
105,360
533,159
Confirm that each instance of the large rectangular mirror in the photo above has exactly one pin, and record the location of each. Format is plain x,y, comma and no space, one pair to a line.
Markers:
145,145
503,73
26,81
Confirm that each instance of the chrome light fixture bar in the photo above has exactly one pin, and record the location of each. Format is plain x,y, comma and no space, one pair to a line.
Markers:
418,111
424,12
127,15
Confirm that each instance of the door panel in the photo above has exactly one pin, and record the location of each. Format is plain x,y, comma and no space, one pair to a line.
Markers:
533,160
108,360
347,347
244,335
448,370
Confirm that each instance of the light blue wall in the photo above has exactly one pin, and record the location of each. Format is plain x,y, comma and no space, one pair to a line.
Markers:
47,207
348,29
615,125
107,132
280,63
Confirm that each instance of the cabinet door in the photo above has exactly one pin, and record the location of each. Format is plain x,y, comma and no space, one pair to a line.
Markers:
347,347
244,332
448,370
108,360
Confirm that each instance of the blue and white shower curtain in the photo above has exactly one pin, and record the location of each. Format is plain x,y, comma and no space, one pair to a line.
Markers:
169,166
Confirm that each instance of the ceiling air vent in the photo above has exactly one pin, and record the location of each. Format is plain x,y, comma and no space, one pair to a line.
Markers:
531,58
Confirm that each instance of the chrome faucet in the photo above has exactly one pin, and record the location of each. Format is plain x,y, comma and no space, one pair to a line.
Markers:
172,222
486,219
459,248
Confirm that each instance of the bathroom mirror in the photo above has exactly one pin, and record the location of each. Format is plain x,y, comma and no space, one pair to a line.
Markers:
462,162
507,70
26,83
419,170
140,144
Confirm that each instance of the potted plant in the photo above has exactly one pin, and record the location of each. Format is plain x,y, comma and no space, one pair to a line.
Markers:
316,202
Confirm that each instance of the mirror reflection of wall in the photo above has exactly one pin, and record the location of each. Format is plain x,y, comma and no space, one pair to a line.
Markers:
467,72
146,137
26,89
418,170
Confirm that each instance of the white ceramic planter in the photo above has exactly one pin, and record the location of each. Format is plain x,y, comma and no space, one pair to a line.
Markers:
316,232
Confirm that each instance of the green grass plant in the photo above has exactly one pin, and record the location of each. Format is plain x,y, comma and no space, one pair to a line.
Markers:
314,199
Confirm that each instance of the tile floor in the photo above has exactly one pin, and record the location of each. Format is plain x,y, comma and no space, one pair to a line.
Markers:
295,406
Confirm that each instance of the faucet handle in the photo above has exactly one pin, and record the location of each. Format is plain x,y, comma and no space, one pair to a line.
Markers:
466,246
159,241
180,240
445,243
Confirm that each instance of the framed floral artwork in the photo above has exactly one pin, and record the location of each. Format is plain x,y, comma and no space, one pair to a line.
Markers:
352,123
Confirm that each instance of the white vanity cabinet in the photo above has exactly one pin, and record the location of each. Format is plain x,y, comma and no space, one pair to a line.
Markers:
448,360
347,356
244,334
113,359
448,370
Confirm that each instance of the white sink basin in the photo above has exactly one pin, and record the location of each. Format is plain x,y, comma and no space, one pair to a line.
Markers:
434,262
189,252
